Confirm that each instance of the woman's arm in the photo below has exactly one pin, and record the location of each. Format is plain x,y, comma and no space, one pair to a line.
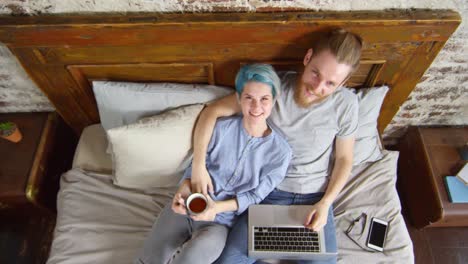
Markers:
267,182
226,106
214,208
226,206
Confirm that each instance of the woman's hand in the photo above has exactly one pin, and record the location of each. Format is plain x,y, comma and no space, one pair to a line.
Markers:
201,180
317,217
178,202
210,212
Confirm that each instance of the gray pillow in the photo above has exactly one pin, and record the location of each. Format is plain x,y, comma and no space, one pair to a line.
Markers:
367,147
123,103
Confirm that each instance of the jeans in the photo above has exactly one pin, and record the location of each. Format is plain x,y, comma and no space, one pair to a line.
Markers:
235,251
178,238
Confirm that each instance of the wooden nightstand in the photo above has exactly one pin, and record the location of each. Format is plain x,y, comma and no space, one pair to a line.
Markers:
30,170
427,155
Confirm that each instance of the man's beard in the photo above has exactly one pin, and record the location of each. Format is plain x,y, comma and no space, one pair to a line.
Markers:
300,97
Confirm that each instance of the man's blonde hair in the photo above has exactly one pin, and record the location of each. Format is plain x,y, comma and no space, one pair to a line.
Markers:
344,45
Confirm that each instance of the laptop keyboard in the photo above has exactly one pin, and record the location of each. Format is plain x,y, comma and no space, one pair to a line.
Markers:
288,239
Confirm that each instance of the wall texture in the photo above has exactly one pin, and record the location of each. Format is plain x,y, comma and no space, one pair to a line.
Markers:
440,98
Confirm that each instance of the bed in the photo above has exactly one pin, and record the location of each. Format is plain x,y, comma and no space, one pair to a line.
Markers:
101,218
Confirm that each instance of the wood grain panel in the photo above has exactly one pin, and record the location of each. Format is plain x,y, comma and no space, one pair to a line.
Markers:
170,72
164,53
212,52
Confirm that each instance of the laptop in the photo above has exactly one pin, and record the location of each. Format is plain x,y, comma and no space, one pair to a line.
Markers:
278,232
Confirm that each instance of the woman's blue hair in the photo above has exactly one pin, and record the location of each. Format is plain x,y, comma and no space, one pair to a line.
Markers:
263,73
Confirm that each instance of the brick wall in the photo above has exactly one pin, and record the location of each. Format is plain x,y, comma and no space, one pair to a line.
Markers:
440,98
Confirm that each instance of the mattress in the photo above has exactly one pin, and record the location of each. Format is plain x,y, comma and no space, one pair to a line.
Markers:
98,222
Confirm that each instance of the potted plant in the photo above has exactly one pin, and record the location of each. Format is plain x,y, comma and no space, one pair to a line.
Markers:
10,131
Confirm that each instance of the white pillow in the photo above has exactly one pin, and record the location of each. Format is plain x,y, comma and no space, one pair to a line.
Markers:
154,151
367,147
90,154
123,103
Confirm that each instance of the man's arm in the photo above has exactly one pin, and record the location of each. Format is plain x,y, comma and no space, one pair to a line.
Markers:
340,173
226,106
341,169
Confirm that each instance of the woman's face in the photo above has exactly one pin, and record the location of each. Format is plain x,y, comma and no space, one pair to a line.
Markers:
256,102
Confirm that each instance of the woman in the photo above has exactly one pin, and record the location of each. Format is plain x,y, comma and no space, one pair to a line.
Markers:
246,159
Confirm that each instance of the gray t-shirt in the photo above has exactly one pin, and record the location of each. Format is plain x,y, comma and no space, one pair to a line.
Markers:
311,134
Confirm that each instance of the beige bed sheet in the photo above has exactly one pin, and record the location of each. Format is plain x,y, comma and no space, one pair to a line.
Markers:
98,222
371,189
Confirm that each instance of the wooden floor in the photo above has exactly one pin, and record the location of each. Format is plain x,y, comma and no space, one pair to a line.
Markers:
441,245
26,240
438,245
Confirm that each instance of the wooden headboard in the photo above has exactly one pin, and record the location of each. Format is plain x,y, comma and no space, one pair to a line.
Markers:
62,54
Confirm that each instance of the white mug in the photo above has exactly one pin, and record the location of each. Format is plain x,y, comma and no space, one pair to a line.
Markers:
196,203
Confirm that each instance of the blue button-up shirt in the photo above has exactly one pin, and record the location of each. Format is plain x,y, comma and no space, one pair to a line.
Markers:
243,167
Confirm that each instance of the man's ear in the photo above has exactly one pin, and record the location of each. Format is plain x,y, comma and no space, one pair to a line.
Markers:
345,80
308,56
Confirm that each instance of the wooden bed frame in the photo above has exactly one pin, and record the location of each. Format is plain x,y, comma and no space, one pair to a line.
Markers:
62,54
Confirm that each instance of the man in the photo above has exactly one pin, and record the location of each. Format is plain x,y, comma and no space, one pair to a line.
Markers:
319,120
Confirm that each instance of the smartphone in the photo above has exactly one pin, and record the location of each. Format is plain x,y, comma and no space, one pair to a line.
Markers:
377,234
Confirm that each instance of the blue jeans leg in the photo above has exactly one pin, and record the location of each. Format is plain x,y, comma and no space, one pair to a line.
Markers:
330,232
235,251
279,197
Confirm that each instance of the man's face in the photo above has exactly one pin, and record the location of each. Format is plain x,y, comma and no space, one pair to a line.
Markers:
321,76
